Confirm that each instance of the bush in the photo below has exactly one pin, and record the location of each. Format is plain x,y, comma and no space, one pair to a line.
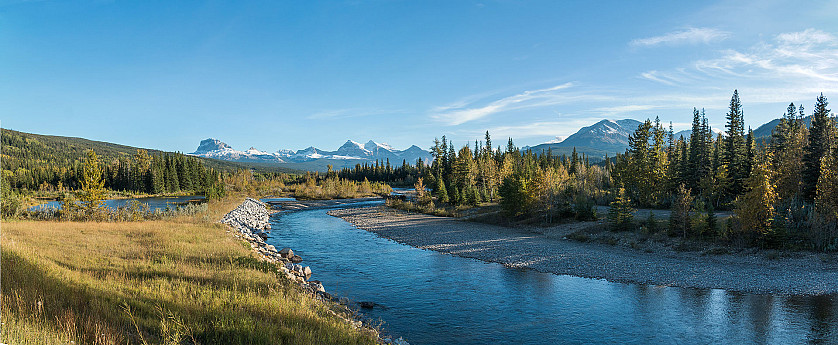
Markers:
9,204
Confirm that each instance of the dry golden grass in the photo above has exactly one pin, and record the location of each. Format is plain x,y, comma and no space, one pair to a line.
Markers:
184,280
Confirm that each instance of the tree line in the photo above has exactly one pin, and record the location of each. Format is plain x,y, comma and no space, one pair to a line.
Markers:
140,173
783,189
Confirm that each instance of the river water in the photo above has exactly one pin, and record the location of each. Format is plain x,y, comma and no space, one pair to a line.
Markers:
433,298
154,203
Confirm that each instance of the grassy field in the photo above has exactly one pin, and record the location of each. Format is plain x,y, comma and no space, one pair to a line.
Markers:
177,281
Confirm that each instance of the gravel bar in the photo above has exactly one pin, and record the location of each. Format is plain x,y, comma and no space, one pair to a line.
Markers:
519,248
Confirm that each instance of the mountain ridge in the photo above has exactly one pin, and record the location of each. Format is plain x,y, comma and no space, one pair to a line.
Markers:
350,153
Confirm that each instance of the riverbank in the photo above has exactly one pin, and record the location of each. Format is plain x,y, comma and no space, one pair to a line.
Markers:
543,249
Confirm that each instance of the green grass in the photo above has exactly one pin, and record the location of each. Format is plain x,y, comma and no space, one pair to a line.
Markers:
178,281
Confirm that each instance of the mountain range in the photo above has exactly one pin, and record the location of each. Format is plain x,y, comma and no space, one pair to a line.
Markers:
349,154
606,137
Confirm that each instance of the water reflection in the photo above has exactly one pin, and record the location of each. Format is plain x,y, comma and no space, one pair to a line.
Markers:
433,298
154,203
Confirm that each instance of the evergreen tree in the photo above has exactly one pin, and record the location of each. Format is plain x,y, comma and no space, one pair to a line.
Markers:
735,154
441,191
620,212
787,143
819,138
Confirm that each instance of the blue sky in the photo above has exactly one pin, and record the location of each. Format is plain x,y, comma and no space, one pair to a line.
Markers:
292,74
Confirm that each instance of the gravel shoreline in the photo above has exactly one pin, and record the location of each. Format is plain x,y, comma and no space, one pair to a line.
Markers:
516,247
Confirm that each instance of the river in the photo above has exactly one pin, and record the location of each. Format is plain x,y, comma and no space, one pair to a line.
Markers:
154,203
432,298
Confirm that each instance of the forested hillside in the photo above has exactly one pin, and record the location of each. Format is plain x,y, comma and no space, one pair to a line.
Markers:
33,162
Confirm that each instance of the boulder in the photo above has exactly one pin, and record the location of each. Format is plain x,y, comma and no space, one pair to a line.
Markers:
307,272
317,287
296,259
286,253
367,305
271,248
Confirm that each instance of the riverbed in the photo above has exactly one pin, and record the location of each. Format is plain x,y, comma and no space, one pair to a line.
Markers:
429,297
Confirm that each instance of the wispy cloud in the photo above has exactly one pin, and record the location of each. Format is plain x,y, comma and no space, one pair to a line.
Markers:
688,36
555,129
789,65
464,111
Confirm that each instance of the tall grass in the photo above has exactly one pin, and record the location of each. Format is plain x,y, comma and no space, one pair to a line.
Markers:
181,280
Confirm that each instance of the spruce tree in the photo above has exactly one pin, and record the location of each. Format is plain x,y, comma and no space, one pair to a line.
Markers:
620,212
441,191
735,154
819,138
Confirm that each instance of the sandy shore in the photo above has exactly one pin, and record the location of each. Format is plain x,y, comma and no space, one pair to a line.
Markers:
803,274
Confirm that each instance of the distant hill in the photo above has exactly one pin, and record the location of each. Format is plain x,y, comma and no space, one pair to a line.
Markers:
27,150
765,129
688,132
604,137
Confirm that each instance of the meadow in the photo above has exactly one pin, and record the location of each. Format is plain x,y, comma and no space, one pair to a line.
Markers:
180,280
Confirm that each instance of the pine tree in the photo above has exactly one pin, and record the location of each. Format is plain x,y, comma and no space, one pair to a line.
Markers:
787,142
819,137
441,191
620,212
735,154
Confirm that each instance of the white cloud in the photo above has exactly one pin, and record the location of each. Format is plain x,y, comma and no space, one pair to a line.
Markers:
464,111
688,36
789,65
809,55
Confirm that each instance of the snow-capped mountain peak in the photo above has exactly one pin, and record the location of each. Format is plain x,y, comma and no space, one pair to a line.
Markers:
211,144
349,151
372,146
214,148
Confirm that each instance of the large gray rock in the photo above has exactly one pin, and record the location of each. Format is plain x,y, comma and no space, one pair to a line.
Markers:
317,287
286,253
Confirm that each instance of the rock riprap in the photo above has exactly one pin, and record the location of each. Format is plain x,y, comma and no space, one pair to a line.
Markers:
251,222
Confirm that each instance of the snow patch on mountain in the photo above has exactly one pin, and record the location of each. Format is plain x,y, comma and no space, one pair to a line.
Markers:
350,150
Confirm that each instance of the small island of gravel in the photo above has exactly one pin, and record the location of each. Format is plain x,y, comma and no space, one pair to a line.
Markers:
804,274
